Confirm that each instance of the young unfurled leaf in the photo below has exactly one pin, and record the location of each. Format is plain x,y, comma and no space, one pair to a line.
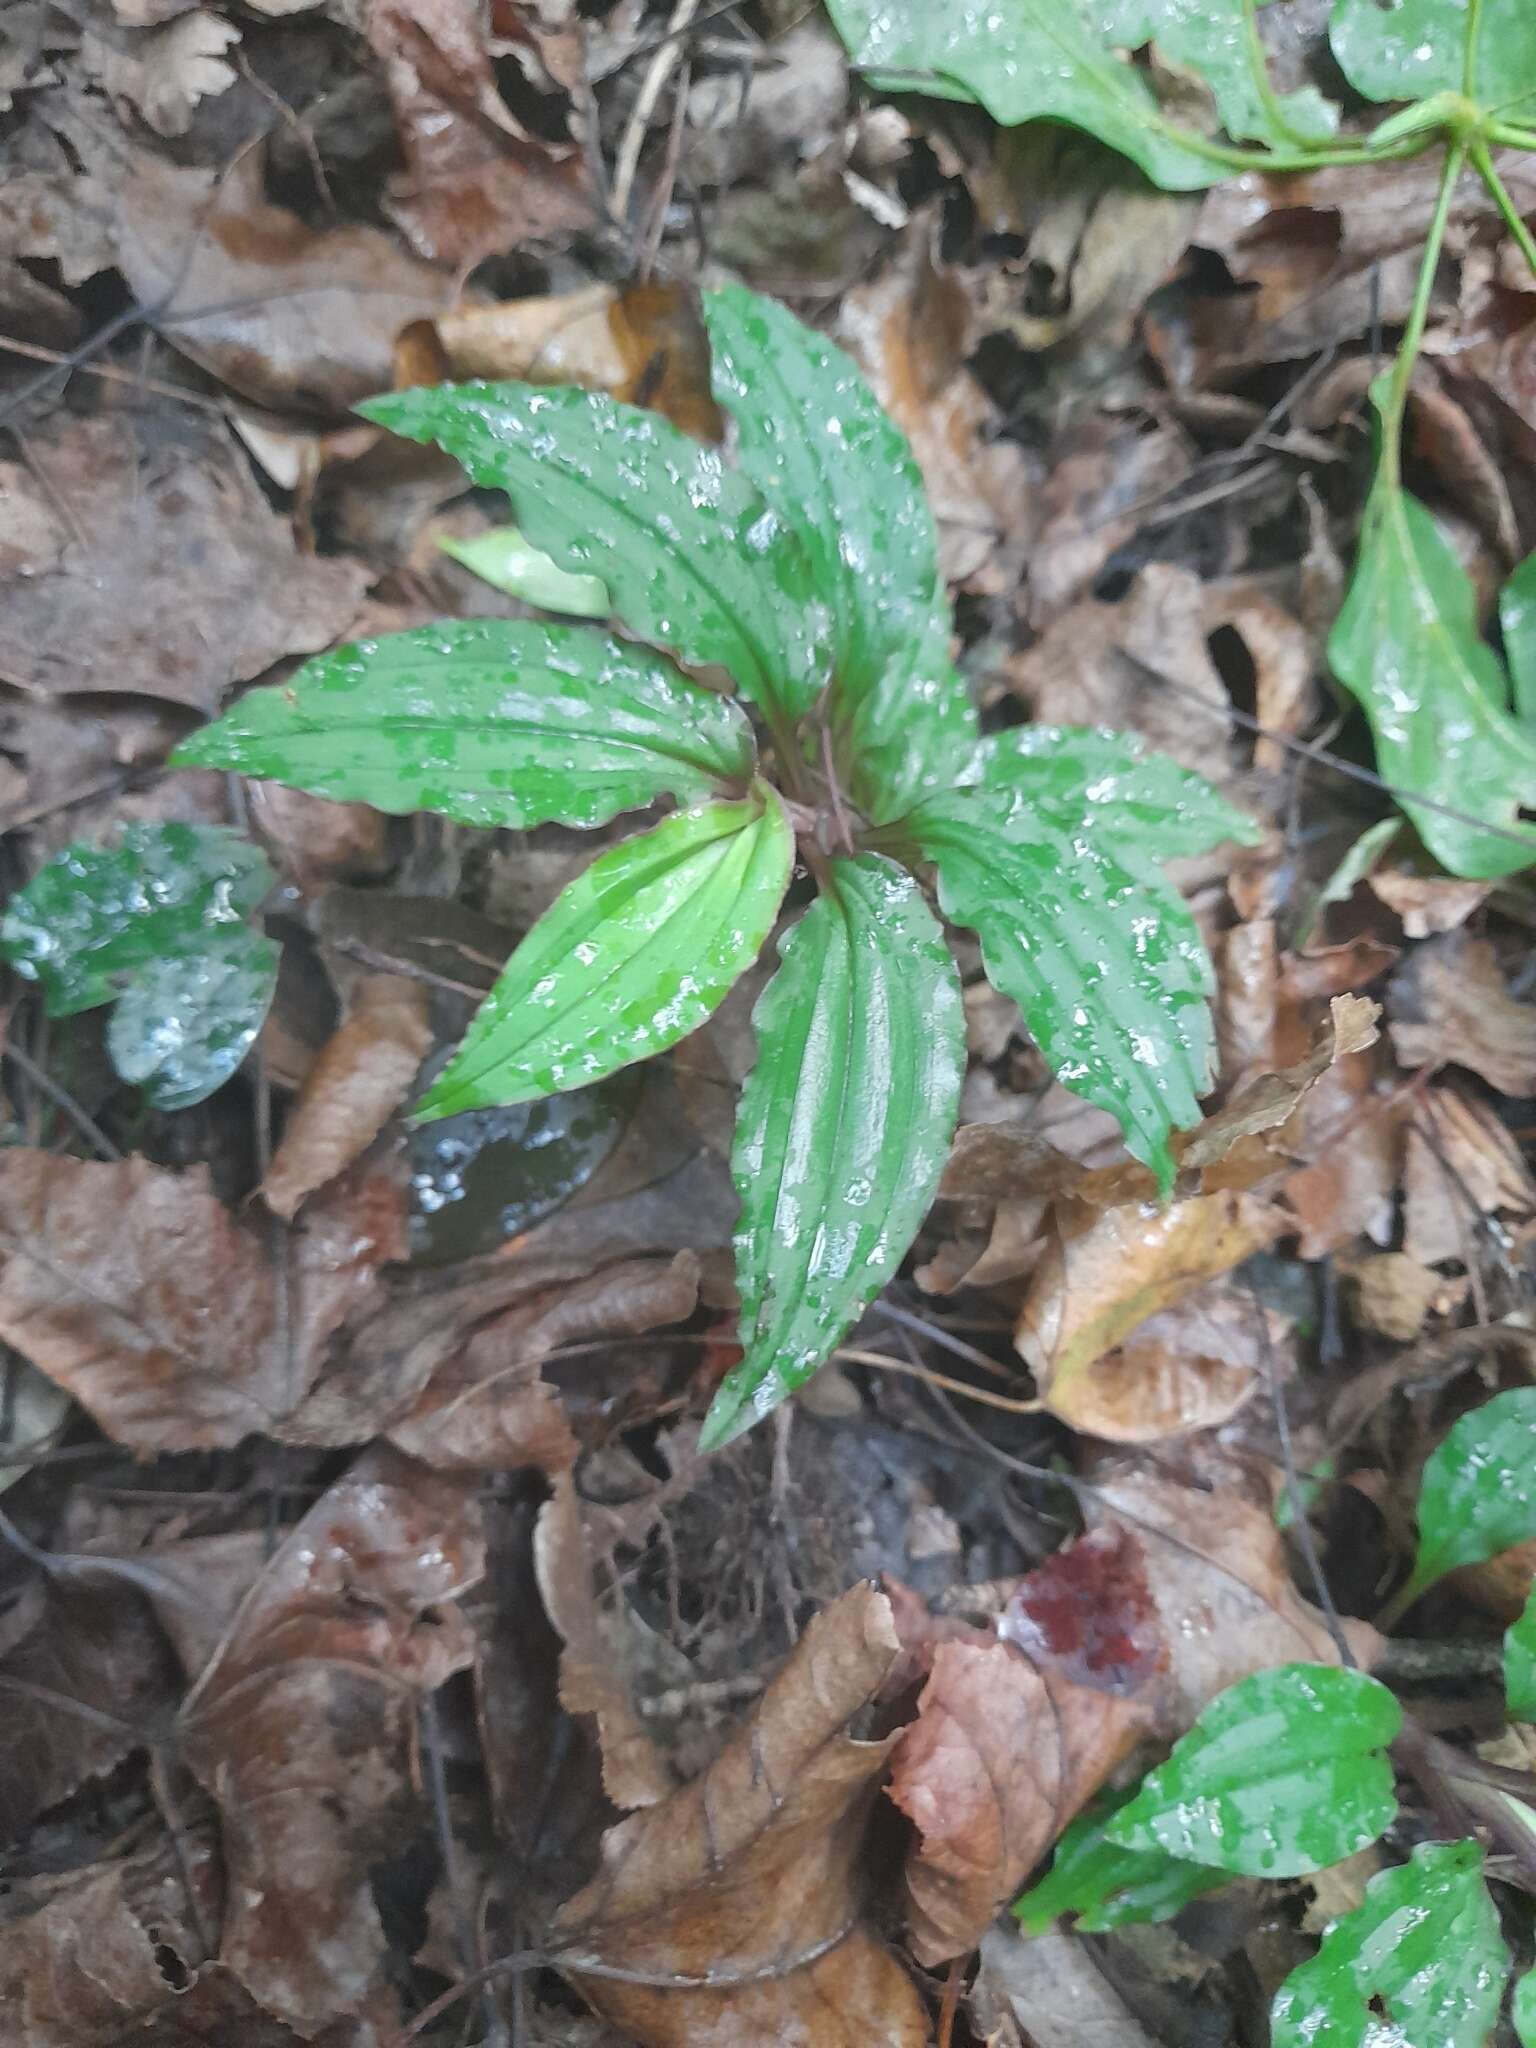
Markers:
184,1023
1406,646
1108,967
1478,1493
95,916
1417,48
1520,1663
1283,1773
490,721
843,1127
1420,1961
1517,617
692,556
631,957
1141,805
505,560
1106,1886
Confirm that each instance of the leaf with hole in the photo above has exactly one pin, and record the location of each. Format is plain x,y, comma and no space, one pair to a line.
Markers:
1520,1663
843,1127
1418,48
693,558
1419,1961
1106,1886
1478,1493
491,722
1282,1773
631,956
1107,966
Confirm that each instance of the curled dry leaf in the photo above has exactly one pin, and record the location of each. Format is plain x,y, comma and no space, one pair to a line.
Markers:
301,1726
108,1273
1462,1165
1269,1100
1428,904
1449,1006
360,1079
746,1881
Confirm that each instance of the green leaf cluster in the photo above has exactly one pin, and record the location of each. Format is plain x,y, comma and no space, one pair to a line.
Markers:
157,925
799,577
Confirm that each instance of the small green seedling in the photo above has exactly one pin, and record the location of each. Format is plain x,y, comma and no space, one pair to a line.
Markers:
800,580
1477,1495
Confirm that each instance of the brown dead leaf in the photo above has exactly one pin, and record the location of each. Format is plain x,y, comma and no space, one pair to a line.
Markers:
1189,1367
1391,1293
162,73
1270,1100
1049,1991
1462,1165
182,581
1427,904
301,1726
1449,1006
746,1881
315,841
162,1314
1103,1274
360,1079
1091,503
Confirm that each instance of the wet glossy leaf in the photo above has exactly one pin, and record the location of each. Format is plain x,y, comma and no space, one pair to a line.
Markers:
1520,1663
912,733
1517,616
1283,1773
1139,804
1419,47
843,1127
1419,1961
94,916
631,957
1478,1493
507,561
1062,60
1407,648
1106,1886
183,1024
1522,2009
1108,967
693,557
490,721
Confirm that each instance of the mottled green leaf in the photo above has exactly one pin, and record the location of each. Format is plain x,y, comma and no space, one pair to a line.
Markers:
1520,1663
843,1127
506,560
1517,616
1407,647
631,957
693,557
1138,804
1107,966
1478,1493
912,733
490,721
1218,42
1282,1773
94,916
1522,2009
1416,48
184,1023
1106,1886
1419,1962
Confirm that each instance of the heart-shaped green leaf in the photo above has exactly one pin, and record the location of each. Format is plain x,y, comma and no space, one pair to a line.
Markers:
631,956
1406,647
843,1127
1283,1773
184,1023
1478,1493
1416,48
1106,1886
1420,1961
490,721
1108,967
1140,804
693,557
1520,1663
1517,618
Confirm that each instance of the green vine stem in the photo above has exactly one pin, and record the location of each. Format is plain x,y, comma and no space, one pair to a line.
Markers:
1394,401
1503,199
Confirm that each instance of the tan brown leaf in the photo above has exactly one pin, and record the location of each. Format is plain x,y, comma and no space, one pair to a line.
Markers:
1049,1991
360,1079
302,1726
1390,1293
748,1878
1269,1100
1449,1006
165,1316
1428,904
1462,1164
163,73
1189,1367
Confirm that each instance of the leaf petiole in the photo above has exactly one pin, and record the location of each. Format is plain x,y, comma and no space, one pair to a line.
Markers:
1487,170
1395,399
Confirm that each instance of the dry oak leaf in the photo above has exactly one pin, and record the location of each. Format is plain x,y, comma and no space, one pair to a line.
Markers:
1449,1006
360,1079
735,1900
301,1726
166,1317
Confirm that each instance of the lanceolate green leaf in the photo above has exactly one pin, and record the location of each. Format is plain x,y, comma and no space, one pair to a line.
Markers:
1520,1663
1106,1886
1478,1493
184,1023
1421,1960
1140,805
1108,967
1282,1773
1419,47
1517,617
95,916
490,721
1406,646
843,1127
694,558
631,957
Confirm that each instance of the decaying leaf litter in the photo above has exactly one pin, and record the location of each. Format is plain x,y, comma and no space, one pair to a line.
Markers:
381,1657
